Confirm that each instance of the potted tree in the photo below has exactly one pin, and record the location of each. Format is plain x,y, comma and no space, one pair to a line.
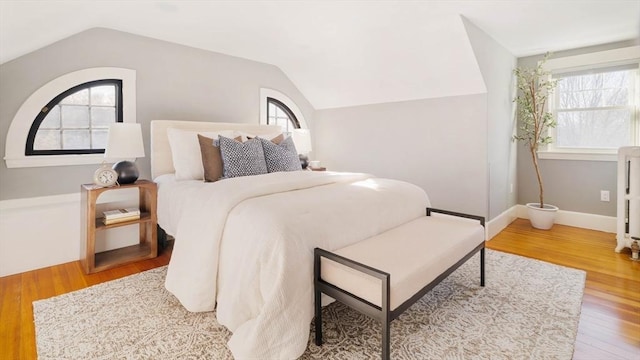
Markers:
534,88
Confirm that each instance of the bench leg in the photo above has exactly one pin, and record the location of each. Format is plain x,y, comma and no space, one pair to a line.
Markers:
482,267
318,321
386,340
386,318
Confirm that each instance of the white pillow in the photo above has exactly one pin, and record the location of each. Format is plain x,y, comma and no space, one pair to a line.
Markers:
185,151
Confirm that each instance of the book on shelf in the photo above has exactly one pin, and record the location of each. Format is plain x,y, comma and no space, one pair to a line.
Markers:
120,219
121,213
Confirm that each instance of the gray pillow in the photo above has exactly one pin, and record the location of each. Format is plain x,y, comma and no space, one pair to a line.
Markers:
241,159
281,157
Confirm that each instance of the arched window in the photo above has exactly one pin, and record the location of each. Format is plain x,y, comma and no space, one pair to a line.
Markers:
279,114
277,108
72,113
77,120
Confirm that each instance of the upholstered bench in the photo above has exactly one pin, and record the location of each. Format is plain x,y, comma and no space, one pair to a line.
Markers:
384,275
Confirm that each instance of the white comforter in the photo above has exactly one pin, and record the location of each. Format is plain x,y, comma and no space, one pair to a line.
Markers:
248,242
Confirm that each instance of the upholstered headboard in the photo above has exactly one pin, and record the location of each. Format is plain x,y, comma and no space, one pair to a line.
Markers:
161,160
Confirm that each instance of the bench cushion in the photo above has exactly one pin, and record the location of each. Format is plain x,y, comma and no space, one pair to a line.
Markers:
414,254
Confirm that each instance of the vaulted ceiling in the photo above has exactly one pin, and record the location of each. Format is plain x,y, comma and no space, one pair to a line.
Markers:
338,53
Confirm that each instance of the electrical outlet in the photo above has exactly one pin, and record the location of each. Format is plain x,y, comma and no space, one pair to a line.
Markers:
604,195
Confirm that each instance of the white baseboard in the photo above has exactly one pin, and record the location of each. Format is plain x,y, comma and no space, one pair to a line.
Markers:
44,231
570,218
577,219
497,224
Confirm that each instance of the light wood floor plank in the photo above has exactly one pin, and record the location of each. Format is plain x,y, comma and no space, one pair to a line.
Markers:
10,315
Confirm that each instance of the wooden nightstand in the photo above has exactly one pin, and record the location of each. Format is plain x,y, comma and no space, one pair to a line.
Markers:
318,169
91,223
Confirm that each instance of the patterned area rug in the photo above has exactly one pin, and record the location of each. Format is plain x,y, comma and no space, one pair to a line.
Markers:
528,310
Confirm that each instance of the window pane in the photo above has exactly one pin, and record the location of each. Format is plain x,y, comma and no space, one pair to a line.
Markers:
615,97
99,139
79,98
580,99
75,116
75,139
279,112
47,140
103,95
52,120
594,129
102,116
271,109
595,90
284,123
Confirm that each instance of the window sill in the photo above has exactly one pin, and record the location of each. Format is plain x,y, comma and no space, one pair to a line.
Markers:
54,160
559,155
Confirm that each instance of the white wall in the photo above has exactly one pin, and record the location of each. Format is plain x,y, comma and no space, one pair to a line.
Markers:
439,144
442,139
45,231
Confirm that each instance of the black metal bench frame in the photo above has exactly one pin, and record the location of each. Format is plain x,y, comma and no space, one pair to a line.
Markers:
380,313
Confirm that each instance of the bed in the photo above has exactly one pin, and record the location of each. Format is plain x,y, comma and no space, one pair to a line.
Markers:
244,246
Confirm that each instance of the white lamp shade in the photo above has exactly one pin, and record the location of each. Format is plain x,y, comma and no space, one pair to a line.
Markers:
302,140
124,142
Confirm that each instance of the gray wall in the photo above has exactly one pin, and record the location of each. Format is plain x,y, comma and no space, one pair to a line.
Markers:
496,65
569,184
438,144
458,149
173,82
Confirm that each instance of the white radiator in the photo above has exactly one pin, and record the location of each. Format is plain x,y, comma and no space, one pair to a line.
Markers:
628,217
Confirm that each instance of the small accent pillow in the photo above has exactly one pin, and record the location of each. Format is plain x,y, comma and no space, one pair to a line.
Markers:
242,159
211,158
282,156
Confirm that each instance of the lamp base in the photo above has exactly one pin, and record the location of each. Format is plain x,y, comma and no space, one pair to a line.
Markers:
304,161
127,172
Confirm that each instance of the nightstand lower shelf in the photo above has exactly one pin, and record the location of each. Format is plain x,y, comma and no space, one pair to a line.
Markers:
117,257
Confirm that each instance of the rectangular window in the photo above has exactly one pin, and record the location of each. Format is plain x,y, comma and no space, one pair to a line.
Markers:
595,106
595,110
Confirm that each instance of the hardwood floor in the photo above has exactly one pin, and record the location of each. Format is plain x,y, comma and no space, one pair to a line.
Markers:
609,323
17,292
610,318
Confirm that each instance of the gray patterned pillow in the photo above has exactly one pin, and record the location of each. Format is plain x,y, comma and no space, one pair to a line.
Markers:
281,157
241,159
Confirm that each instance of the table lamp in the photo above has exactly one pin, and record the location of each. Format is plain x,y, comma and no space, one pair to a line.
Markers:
125,142
302,140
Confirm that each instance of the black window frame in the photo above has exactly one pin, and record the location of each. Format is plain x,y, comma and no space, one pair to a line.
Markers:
35,126
285,109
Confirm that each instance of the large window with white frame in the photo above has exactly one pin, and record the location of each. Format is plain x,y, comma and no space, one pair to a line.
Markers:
595,105
596,110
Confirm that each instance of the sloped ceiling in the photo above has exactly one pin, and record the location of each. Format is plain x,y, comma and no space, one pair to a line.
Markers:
338,53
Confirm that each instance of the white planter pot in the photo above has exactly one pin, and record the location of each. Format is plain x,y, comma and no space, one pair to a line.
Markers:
542,218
